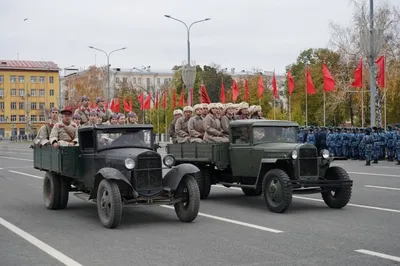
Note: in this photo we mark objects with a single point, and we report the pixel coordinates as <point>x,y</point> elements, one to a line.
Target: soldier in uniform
<point>228,117</point>
<point>256,112</point>
<point>397,143</point>
<point>311,136</point>
<point>76,119</point>
<point>93,115</point>
<point>84,110</point>
<point>132,118</point>
<point>212,126</point>
<point>389,143</point>
<point>195,125</point>
<point>45,130</point>
<point>103,113</point>
<point>243,111</point>
<point>205,109</point>
<point>339,142</point>
<point>113,119</point>
<point>171,129</point>
<point>354,144</point>
<point>369,146</point>
<point>345,143</point>
<point>361,145</point>
<point>377,145</point>
<point>121,119</point>
<point>64,133</point>
<point>181,126</point>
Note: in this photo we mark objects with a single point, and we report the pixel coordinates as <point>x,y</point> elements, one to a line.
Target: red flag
<point>141,99</point>
<point>130,105</point>
<point>204,95</point>
<point>147,102</point>
<point>329,82</point>
<point>235,91</point>
<point>380,63</point>
<point>222,94</point>
<point>274,87</point>
<point>174,99</point>
<point>182,98</point>
<point>157,100</point>
<point>260,87</point>
<point>290,82</point>
<point>116,106</point>
<point>358,76</point>
<point>164,104</point>
<point>309,84</point>
<point>246,90</point>
<point>126,106</point>
<point>112,105</point>
<point>106,105</point>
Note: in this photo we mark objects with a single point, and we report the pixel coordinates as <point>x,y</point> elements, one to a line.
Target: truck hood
<point>277,147</point>
<point>123,153</point>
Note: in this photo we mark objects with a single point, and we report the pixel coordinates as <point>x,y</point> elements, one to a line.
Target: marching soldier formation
<point>210,123</point>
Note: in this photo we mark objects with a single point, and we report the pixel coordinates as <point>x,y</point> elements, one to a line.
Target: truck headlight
<point>129,163</point>
<point>169,160</point>
<point>325,154</point>
<point>294,155</point>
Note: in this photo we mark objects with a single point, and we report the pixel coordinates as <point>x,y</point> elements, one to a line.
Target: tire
<point>188,210</point>
<point>251,192</point>
<point>341,195</point>
<point>51,191</point>
<point>109,203</point>
<point>203,180</point>
<point>65,187</point>
<point>277,181</point>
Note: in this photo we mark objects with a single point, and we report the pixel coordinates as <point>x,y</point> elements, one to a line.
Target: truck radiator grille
<point>149,173</point>
<point>308,162</point>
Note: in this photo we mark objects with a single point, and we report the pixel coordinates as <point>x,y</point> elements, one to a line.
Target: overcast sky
<point>266,34</point>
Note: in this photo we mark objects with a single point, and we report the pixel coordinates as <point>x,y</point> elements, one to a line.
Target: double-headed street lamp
<point>188,72</point>
<point>108,66</point>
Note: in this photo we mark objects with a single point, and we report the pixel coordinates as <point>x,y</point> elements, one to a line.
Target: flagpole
<point>362,106</point>
<point>290,108</point>
<point>158,120</point>
<point>274,107</point>
<point>324,110</point>
<point>306,99</point>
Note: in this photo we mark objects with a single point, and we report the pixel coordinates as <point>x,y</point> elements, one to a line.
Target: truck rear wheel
<point>203,180</point>
<point>65,187</point>
<point>187,209</point>
<point>51,191</point>
<point>339,197</point>
<point>109,203</point>
<point>277,190</point>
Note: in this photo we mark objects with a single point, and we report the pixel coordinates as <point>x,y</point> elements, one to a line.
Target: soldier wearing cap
<point>64,133</point>
<point>195,125</point>
<point>205,110</point>
<point>228,116</point>
<point>103,113</point>
<point>84,110</point>
<point>113,120</point>
<point>171,129</point>
<point>181,126</point>
<point>45,130</point>
<point>243,111</point>
<point>76,119</point>
<point>212,126</point>
<point>256,112</point>
<point>93,115</point>
<point>132,119</point>
<point>121,119</point>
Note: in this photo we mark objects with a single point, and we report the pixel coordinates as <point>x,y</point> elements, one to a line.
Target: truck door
<point>240,151</point>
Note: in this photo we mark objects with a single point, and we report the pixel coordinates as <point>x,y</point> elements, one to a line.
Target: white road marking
<point>388,188</point>
<point>337,164</point>
<point>319,200</point>
<point>1,149</point>
<point>387,167</point>
<point>20,173</point>
<point>362,173</point>
<point>377,254</point>
<point>16,167</point>
<point>13,158</point>
<point>14,152</point>
<point>40,244</point>
<point>254,226</point>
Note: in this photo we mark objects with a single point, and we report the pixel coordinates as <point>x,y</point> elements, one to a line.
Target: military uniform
<point>240,114</point>
<point>196,126</point>
<point>212,126</point>
<point>389,143</point>
<point>181,127</point>
<point>377,145</point>
<point>397,143</point>
<point>369,141</point>
<point>83,112</point>
<point>311,137</point>
<point>64,134</point>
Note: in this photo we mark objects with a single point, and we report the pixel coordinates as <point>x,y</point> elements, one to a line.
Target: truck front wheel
<point>277,190</point>
<point>109,203</point>
<point>337,198</point>
<point>187,209</point>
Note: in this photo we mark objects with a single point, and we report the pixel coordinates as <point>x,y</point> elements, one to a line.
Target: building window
<point>13,118</point>
<point>33,79</point>
<point>117,80</point>
<point>165,81</point>
<point>51,79</point>
<point>158,81</point>
<point>51,105</point>
<point>124,80</point>
<point>140,81</point>
<point>13,92</point>
<point>21,118</point>
<point>148,82</point>
<point>33,118</point>
<point>33,106</point>
<point>41,118</point>
<point>1,79</point>
<point>33,92</point>
<point>2,118</point>
<point>134,80</point>
<point>1,105</point>
<point>21,92</point>
<point>41,79</point>
<point>21,106</point>
<point>13,79</point>
<point>41,105</point>
<point>51,92</point>
<point>41,93</point>
<point>1,92</point>
<point>21,79</point>
<point>13,105</point>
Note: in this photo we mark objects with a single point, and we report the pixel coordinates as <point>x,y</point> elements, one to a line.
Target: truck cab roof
<point>262,122</point>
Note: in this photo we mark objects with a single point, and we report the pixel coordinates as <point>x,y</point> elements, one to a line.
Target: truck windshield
<point>123,138</point>
<point>275,134</point>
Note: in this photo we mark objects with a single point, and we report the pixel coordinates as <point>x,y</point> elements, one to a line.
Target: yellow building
<point>28,90</point>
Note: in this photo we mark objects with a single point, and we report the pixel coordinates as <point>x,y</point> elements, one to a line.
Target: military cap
<point>368,130</point>
<point>228,105</point>
<point>188,109</point>
<point>99,99</point>
<point>54,109</point>
<point>120,115</point>
<point>219,105</point>
<point>93,112</point>
<point>66,111</point>
<point>114,116</point>
<point>132,114</point>
<point>374,128</point>
<point>212,105</point>
<point>178,112</point>
<point>76,116</point>
<point>204,105</point>
<point>84,98</point>
<point>243,105</point>
<point>197,106</point>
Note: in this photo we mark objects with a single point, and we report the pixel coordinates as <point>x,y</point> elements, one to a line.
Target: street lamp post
<point>108,67</point>
<point>189,81</point>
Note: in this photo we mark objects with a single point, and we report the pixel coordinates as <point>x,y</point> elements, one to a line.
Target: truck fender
<point>265,162</point>
<point>109,173</point>
<point>172,179</point>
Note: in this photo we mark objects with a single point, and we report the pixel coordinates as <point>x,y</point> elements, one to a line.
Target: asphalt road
<point>231,230</point>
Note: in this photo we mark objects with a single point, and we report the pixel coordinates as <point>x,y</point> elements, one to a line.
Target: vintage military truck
<point>263,157</point>
<point>116,166</point>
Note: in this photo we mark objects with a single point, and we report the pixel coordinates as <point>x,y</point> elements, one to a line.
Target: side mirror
<point>157,146</point>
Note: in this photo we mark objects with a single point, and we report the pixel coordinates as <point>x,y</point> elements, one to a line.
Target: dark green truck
<point>263,157</point>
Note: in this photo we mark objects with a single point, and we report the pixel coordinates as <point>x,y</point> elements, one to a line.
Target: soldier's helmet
<point>178,112</point>
<point>99,99</point>
<point>188,109</point>
<point>84,98</point>
<point>131,114</point>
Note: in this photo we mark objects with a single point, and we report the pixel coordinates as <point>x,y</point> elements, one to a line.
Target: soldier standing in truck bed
<point>195,125</point>
<point>84,110</point>
<point>64,133</point>
<point>171,129</point>
<point>103,113</point>
<point>45,130</point>
<point>243,111</point>
<point>93,116</point>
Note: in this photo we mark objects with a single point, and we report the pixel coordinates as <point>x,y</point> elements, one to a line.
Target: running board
<point>236,185</point>
<point>83,196</point>
<point>307,190</point>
